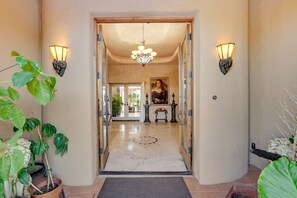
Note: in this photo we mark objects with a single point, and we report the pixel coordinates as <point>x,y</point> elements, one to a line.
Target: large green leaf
<point>5,112</point>
<point>17,161</point>
<point>31,86</point>
<point>43,93</point>
<point>36,66</point>
<point>24,177</point>
<point>17,117</point>
<point>13,94</point>
<point>48,130</point>
<point>3,92</point>
<point>278,179</point>
<point>39,147</point>
<point>61,143</point>
<point>5,102</point>
<point>1,188</point>
<point>5,164</point>
<point>30,124</point>
<point>21,61</point>
<point>20,79</point>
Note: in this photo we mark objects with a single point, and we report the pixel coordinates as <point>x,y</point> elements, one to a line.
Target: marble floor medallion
<point>145,140</point>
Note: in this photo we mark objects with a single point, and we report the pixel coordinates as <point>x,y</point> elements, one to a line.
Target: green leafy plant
<point>116,105</point>
<point>40,146</point>
<point>13,160</point>
<point>278,179</point>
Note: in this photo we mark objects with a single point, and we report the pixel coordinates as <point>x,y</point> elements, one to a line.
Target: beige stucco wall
<point>220,133</point>
<point>20,31</point>
<point>273,66</point>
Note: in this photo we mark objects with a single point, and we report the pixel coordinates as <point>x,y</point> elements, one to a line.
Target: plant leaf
<point>17,117</point>
<point>42,93</point>
<point>278,179</point>
<point>17,161</point>
<point>31,86</point>
<point>30,124</point>
<point>20,79</point>
<point>5,102</point>
<point>61,143</point>
<point>5,112</point>
<point>40,147</point>
<point>48,130</point>
<point>24,177</point>
<point>3,92</point>
<point>14,53</point>
<point>36,66</point>
<point>13,94</point>
<point>5,165</point>
<point>1,188</point>
<point>21,61</point>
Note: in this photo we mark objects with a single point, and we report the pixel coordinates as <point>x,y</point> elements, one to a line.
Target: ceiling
<point>121,39</point>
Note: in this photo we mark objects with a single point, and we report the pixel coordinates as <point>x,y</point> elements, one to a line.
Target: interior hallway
<point>135,146</point>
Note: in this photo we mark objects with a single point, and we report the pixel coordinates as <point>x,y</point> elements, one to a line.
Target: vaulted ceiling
<point>164,38</point>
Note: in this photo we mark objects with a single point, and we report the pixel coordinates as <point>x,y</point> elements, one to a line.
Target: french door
<point>130,96</point>
<point>185,98</point>
<point>104,115</point>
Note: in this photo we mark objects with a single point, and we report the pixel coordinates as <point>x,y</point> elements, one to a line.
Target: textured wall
<point>273,67</point>
<point>220,133</point>
<point>20,31</point>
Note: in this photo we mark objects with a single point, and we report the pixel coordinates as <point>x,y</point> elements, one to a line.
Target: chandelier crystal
<point>143,56</point>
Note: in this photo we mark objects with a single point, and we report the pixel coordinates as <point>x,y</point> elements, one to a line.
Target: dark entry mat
<point>145,187</point>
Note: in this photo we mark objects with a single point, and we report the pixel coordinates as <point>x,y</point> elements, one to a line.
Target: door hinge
<point>100,113</point>
<point>189,36</point>
<point>100,151</point>
<point>99,37</point>
<point>190,112</point>
<point>190,74</point>
<point>99,76</point>
<point>190,150</point>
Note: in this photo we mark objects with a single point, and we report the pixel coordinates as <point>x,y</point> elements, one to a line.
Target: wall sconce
<point>59,54</point>
<point>225,52</point>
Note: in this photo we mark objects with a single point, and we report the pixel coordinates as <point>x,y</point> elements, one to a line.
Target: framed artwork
<point>159,90</point>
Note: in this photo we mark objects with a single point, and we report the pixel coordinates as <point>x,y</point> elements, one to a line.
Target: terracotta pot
<point>52,194</point>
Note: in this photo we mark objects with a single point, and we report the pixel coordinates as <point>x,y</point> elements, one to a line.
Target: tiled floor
<point>158,151</point>
<point>197,190</point>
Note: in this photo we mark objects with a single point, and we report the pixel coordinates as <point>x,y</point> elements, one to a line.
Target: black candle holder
<point>173,111</point>
<point>146,110</point>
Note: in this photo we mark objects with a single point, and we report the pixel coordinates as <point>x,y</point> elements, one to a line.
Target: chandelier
<point>143,56</point>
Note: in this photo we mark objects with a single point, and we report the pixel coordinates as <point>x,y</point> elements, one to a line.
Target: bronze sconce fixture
<point>59,54</point>
<point>225,53</point>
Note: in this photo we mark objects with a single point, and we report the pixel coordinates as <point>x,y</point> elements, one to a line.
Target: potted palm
<point>116,105</point>
<point>14,152</point>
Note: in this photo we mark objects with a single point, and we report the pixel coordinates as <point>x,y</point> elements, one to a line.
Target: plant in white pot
<point>14,151</point>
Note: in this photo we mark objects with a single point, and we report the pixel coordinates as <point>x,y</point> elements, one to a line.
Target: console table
<point>157,111</point>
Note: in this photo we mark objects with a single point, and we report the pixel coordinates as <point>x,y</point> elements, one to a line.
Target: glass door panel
<point>129,96</point>
<point>103,99</point>
<point>185,107</point>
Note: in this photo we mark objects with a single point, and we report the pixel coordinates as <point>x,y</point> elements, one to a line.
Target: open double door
<point>185,98</point>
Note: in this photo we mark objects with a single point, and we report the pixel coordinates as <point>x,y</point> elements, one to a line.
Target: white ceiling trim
<point>157,59</point>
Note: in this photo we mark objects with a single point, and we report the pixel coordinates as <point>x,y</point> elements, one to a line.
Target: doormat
<point>145,187</point>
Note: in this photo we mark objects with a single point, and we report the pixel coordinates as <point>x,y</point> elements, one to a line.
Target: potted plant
<point>279,178</point>
<point>14,152</point>
<point>116,105</point>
